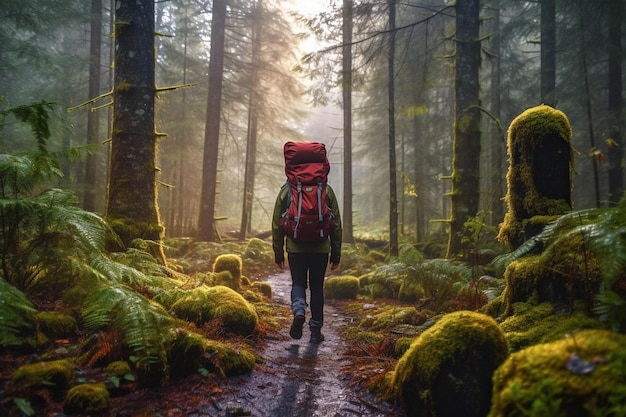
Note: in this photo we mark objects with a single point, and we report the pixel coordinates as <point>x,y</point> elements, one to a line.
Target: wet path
<point>300,379</point>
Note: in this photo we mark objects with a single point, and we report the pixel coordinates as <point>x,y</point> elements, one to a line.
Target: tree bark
<point>93,119</point>
<point>548,52</point>
<point>616,128</point>
<point>132,200</point>
<point>393,182</point>
<point>466,147</point>
<point>346,218</point>
<point>206,223</point>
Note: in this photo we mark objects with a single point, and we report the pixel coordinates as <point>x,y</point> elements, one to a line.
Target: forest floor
<point>295,379</point>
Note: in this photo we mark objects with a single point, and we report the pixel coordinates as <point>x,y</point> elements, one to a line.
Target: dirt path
<point>299,379</point>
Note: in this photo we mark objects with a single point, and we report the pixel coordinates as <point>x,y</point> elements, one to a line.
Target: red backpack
<point>307,217</point>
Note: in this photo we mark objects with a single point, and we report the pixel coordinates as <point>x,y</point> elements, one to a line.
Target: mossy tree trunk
<point>539,177</point>
<point>132,196</point>
<point>206,223</point>
<point>466,147</point>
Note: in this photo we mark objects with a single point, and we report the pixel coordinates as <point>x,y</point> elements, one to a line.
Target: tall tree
<point>346,218</point>
<point>132,200</point>
<point>548,52</point>
<point>93,120</point>
<point>206,223</point>
<point>253,123</point>
<point>466,147</point>
<point>616,118</point>
<point>391,112</point>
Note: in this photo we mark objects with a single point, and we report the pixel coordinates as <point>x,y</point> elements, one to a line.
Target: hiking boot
<point>316,336</point>
<point>296,327</point>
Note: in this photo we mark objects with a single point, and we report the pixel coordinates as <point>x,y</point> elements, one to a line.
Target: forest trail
<point>297,378</point>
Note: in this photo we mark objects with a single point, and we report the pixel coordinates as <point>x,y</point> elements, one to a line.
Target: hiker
<point>306,216</point>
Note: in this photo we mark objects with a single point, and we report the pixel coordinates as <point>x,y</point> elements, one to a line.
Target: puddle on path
<point>300,379</point>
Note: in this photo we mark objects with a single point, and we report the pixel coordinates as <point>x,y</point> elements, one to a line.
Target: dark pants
<point>307,271</point>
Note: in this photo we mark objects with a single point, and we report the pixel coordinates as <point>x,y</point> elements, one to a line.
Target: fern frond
<point>145,325</point>
<point>16,313</point>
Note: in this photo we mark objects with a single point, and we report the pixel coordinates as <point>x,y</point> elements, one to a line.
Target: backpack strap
<point>299,188</point>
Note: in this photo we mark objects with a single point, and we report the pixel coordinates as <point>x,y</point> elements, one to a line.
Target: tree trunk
<point>466,148</point>
<point>585,70</point>
<point>616,129</point>
<point>548,52</point>
<point>253,121</point>
<point>93,119</point>
<point>206,223</point>
<point>393,186</point>
<point>132,201</point>
<point>498,140</point>
<point>346,218</point>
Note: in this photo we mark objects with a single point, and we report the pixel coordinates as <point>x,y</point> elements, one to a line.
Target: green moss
<point>229,361</point>
<point>231,263</point>
<point>56,324</point>
<point>387,317</point>
<point>534,324</point>
<point>87,399</point>
<point>527,192</point>
<point>226,279</point>
<point>541,380</point>
<point>522,277</point>
<point>118,369</point>
<point>185,353</point>
<point>263,287</point>
<point>55,375</point>
<point>402,345</point>
<point>202,304</point>
<point>448,368</point>
<point>341,287</point>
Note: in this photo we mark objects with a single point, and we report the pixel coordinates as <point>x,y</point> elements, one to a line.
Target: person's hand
<point>334,265</point>
<point>281,265</point>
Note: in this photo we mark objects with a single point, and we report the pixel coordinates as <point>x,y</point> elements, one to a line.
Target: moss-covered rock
<point>533,324</point>
<point>185,353</point>
<point>580,376</point>
<point>87,399</point>
<point>341,287</point>
<point>231,263</point>
<point>56,324</point>
<point>263,287</point>
<point>202,304</point>
<point>447,370</point>
<point>229,361</point>
<point>55,375</point>
<point>118,369</point>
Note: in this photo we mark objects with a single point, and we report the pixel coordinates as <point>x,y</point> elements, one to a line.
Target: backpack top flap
<point>306,162</point>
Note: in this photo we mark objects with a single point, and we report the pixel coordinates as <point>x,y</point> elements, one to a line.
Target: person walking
<point>308,253</point>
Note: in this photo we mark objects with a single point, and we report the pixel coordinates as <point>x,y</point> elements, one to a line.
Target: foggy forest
<point>476,152</point>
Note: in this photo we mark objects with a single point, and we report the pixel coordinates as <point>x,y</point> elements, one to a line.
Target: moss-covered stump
<point>447,370</point>
<point>231,263</point>
<point>55,324</point>
<point>580,376</point>
<point>87,399</point>
<point>343,287</point>
<point>54,375</point>
<point>202,304</point>
<point>539,176</point>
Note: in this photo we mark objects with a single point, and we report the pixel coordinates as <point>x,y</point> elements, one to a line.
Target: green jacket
<point>332,245</point>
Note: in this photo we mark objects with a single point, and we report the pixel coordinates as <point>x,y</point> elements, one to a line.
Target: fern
<point>144,324</point>
<point>16,313</point>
